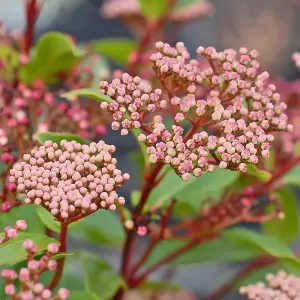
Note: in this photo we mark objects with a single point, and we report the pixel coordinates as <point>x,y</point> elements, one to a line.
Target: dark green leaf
<point>293,176</point>
<point>268,244</point>
<point>101,227</point>
<point>115,49</point>
<point>286,229</point>
<point>153,9</point>
<point>261,175</point>
<point>94,94</point>
<point>209,183</point>
<point>12,251</point>
<point>47,219</point>
<point>81,295</point>
<point>99,277</point>
<point>55,52</point>
<point>25,212</point>
<point>57,137</point>
<point>217,251</point>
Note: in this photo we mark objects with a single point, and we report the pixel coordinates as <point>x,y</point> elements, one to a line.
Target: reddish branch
<point>149,34</point>
<point>33,8</point>
<point>60,262</point>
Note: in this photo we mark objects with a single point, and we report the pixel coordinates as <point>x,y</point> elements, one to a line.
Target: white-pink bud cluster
<point>12,232</point>
<point>280,287</point>
<point>70,180</point>
<point>132,99</point>
<point>241,109</point>
<point>185,157</point>
<point>28,277</point>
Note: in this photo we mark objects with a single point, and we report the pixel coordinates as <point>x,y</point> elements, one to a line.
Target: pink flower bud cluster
<point>70,181</point>
<point>241,109</point>
<point>280,287</point>
<point>132,98</point>
<point>30,287</point>
<point>185,157</point>
<point>12,232</point>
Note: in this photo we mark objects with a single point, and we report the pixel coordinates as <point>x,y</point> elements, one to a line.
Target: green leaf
<point>57,137</point>
<point>115,49</point>
<point>63,254</point>
<point>94,94</point>
<point>55,53</point>
<point>135,197</point>
<point>261,175</point>
<point>286,229</point>
<point>11,58</point>
<point>153,9</point>
<point>81,295</point>
<point>25,212</point>
<point>136,132</point>
<point>99,277</point>
<point>173,186</point>
<point>268,244</point>
<point>101,227</point>
<point>258,275</point>
<point>47,219</point>
<point>216,251</point>
<point>12,251</point>
<point>180,4</point>
<point>293,176</point>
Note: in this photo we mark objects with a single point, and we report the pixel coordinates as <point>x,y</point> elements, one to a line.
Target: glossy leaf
<point>286,229</point>
<point>153,9</point>
<point>101,227</point>
<point>293,176</point>
<point>55,53</point>
<point>268,244</point>
<point>25,212</point>
<point>173,186</point>
<point>260,175</point>
<point>99,277</point>
<point>94,94</point>
<point>159,286</point>
<point>217,251</point>
<point>12,251</point>
<point>47,219</point>
<point>80,295</point>
<point>135,197</point>
<point>57,137</point>
<point>115,49</point>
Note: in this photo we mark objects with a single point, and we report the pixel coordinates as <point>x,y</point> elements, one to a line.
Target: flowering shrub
<point>216,146</point>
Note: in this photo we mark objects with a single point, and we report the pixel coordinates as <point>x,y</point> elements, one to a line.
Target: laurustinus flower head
<point>70,180</point>
<point>280,286</point>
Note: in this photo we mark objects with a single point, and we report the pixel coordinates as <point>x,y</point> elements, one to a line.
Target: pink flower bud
<point>21,225</point>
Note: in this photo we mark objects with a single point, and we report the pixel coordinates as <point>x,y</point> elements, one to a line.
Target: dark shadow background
<point>270,26</point>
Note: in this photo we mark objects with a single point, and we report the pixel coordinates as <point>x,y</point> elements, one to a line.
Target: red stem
<point>230,285</point>
<point>60,262</point>
<point>32,12</point>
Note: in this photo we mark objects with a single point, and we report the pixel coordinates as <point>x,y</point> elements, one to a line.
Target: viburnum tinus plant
<point>216,151</point>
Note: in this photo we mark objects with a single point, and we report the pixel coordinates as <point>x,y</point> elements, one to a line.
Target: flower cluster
<point>30,287</point>
<point>280,287</point>
<point>231,127</point>
<point>12,232</point>
<point>70,181</point>
<point>132,99</point>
